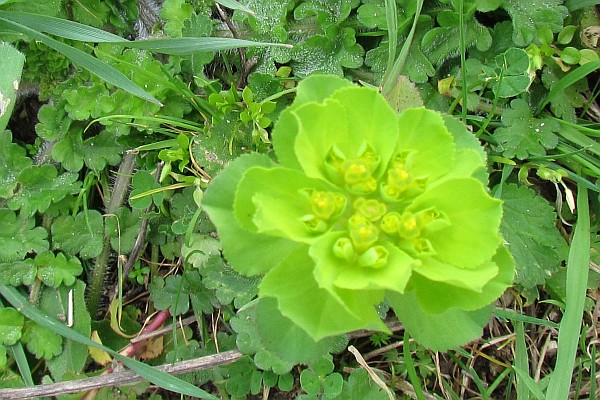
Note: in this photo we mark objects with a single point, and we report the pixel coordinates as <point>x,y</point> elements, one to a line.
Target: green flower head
<point>364,204</point>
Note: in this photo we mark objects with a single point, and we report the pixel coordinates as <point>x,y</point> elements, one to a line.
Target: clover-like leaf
<point>40,186</point>
<point>41,341</point>
<point>57,270</point>
<point>523,135</point>
<point>20,236</point>
<point>529,226</point>
<point>82,234</point>
<point>13,159</point>
<point>11,324</point>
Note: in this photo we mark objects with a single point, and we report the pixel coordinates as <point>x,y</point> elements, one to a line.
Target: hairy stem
<point>117,197</point>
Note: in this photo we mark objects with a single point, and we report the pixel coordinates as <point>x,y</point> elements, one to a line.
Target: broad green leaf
<point>13,159</point>
<point>296,291</point>
<point>82,234</point>
<point>170,294</point>
<point>257,252</point>
<point>523,135</point>
<point>41,341</point>
<point>90,12</point>
<point>234,5</point>
<point>528,225</point>
<point>74,355</point>
<point>11,323</point>
<point>20,236</point>
<point>12,65</point>
<point>259,206</point>
<point>438,296</point>
<point>474,217</point>
<point>40,186</point>
<point>55,271</point>
<point>284,338</point>
<point>438,43</point>
<point>439,332</point>
<point>322,54</point>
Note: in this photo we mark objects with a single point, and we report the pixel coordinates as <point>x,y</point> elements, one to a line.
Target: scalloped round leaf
<point>11,323</point>
<point>20,236</point>
<point>438,332</point>
<point>257,252</point>
<point>40,186</point>
<point>55,271</point>
<point>13,159</point>
<point>82,234</point>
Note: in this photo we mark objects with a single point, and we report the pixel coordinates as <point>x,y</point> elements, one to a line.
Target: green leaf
<point>74,356</point>
<point>123,228</point>
<point>11,323</point>
<point>20,236</point>
<point>438,43</point>
<point>327,55</point>
<point>162,379</point>
<point>13,159</point>
<point>281,336</point>
<point>41,186</point>
<point>523,135</point>
<point>90,12</point>
<point>293,285</point>
<point>229,286</point>
<point>16,273</point>
<point>528,225</point>
<point>82,234</point>
<point>145,186</point>
<point>170,294</point>
<point>12,66</point>
<point>359,386</point>
<point>530,17</point>
<point>41,341</point>
<point>57,270</point>
<point>439,332</point>
<point>256,253</point>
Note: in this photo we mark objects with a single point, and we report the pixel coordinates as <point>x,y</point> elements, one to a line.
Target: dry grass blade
<point>372,374</point>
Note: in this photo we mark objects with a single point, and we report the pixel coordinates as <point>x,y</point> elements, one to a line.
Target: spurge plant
<point>366,206</point>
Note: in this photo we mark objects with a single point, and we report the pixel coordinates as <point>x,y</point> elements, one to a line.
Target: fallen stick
<point>117,378</point>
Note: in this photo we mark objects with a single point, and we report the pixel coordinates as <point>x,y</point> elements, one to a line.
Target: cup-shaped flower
<point>363,203</point>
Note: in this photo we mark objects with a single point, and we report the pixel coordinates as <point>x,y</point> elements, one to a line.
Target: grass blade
<point>521,363</point>
<point>84,60</point>
<point>570,325</point>
<point>574,76</point>
<point>234,5</point>
<point>161,379</point>
<point>390,78</point>
<point>173,46</point>
<point>391,15</point>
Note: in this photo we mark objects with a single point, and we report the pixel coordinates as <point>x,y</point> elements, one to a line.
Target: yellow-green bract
<point>366,205</point>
